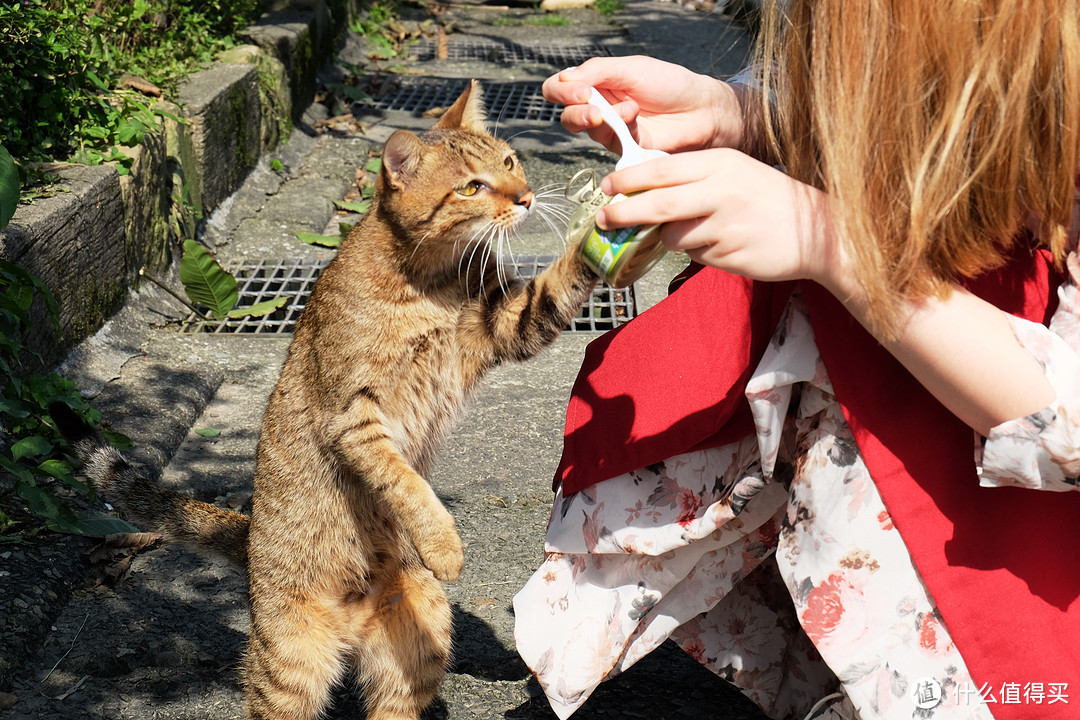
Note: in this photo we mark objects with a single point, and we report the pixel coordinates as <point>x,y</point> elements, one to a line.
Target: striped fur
<point>198,525</point>
<point>347,542</point>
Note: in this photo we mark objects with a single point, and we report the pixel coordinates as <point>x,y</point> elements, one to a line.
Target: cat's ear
<point>401,158</point>
<point>467,112</point>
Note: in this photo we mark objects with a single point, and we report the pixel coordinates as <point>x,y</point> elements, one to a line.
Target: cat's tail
<point>179,518</point>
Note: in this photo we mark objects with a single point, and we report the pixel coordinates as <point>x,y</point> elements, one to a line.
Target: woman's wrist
<point>729,107</point>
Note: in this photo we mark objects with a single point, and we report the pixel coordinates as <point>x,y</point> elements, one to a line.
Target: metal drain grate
<point>265,281</point>
<point>506,51</point>
<point>508,101</point>
<point>606,309</point>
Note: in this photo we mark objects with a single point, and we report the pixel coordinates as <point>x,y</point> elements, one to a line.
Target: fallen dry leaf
<point>110,560</point>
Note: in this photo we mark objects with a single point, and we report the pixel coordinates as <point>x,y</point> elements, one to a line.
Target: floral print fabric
<point>782,581</point>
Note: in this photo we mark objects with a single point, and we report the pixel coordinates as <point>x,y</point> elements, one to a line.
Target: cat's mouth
<point>518,215</point>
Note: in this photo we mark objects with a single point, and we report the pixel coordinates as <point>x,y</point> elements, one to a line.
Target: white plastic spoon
<point>632,153</point>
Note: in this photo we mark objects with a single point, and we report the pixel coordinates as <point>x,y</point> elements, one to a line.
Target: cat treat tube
<point>623,255</point>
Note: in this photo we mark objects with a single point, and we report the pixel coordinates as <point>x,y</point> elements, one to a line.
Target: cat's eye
<point>509,162</point>
<point>471,188</point>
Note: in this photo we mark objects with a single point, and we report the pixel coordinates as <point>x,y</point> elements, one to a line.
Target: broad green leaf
<point>48,507</point>
<point>373,165</point>
<point>131,132</point>
<point>61,471</point>
<point>356,207</point>
<point>56,468</point>
<point>19,297</point>
<point>19,470</point>
<point>95,525</point>
<point>32,446</point>
<point>97,81</point>
<point>15,275</point>
<point>259,309</point>
<point>324,240</point>
<point>120,441</point>
<point>9,187</point>
<point>13,408</point>
<point>208,432</point>
<point>205,281</point>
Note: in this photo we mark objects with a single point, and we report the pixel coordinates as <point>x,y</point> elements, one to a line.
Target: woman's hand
<point>730,211</point>
<point>725,209</point>
<point>666,106</point>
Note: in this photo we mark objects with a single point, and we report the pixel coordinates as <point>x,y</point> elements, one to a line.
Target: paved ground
<point>157,634</point>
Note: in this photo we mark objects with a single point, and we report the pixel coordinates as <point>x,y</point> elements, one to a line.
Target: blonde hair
<point>940,127</point>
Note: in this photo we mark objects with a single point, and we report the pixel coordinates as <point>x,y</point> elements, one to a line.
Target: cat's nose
<point>526,199</point>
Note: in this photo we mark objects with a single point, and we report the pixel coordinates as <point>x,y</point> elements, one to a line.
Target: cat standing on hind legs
<point>347,543</point>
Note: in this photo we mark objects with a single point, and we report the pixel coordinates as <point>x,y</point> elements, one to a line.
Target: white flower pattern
<point>782,582</point>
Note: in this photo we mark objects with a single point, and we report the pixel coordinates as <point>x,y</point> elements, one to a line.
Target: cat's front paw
<point>441,550</point>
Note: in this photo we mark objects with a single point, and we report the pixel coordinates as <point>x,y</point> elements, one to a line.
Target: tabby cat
<point>346,542</point>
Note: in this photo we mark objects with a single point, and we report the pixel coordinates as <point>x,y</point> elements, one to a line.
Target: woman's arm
<point>724,209</point>
<point>964,351</point>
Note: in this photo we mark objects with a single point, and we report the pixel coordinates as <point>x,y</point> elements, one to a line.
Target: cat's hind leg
<point>402,644</point>
<point>296,654</point>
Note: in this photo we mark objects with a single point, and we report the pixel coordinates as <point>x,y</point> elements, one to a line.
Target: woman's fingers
<point>676,190</point>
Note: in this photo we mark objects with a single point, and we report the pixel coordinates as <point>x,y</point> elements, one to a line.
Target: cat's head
<point>453,186</point>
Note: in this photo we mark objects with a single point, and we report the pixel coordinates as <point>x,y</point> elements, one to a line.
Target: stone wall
<point>88,241</point>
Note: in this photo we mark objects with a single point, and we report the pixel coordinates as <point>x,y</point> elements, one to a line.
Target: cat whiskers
<point>482,239</point>
<point>504,247</point>
<point>553,209</point>
<point>421,242</point>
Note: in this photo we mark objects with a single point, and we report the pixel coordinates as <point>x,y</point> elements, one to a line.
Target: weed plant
<point>63,65</point>
<point>62,61</point>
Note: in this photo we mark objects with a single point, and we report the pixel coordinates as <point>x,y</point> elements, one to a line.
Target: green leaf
<point>175,118</point>
<point>48,507</point>
<point>19,298</point>
<point>351,92</point>
<point>17,469</point>
<point>9,187</point>
<point>60,470</point>
<point>13,408</point>
<point>6,523</point>
<point>331,241</point>
<point>373,165</point>
<point>208,432</point>
<point>15,275</point>
<point>131,132</point>
<point>205,281</point>
<point>356,207</point>
<point>276,165</point>
<point>32,446</point>
<point>260,309</point>
<point>120,441</point>
<point>97,525</point>
<point>56,468</point>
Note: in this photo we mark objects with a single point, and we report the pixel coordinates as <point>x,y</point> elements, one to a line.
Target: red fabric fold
<point>1001,563</point>
<point>669,379</point>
